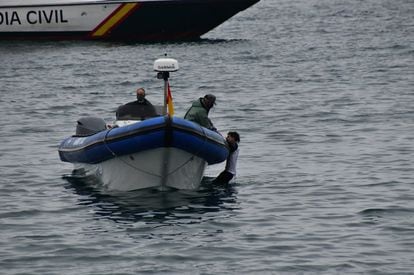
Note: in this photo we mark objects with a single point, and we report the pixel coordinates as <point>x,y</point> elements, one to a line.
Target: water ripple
<point>321,93</point>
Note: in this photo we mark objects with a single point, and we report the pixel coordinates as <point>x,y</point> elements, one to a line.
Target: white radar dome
<point>166,65</point>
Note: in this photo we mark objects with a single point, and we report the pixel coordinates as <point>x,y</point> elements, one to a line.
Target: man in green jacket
<point>198,111</point>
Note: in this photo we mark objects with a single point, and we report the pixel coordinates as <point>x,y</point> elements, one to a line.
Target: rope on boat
<point>119,158</point>
<point>149,173</point>
<point>192,157</point>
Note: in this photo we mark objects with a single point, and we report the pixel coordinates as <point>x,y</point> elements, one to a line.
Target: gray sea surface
<point>322,94</point>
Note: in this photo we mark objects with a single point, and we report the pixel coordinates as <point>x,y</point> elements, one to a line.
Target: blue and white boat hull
<point>160,152</point>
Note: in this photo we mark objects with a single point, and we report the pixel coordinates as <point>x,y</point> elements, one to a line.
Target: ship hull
<point>145,20</point>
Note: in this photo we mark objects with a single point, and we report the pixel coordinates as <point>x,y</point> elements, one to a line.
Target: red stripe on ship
<point>107,33</point>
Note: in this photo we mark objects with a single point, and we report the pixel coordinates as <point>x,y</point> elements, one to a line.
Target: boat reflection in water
<point>151,205</point>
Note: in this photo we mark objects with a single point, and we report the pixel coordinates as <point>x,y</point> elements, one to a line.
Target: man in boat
<point>233,139</point>
<point>199,110</point>
<point>138,109</point>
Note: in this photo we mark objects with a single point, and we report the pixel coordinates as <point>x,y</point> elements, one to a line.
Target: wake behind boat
<point>160,152</point>
<point>144,20</point>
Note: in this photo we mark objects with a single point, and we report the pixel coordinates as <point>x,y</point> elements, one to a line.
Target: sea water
<point>322,94</point>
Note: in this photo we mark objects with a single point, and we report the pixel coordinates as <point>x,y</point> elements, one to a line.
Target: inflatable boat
<point>160,152</point>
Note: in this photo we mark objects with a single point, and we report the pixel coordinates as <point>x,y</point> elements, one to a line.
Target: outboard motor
<point>87,126</point>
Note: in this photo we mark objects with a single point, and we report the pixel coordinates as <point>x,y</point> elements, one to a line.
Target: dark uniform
<point>139,109</point>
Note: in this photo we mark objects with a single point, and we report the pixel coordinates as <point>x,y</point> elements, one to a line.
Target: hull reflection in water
<point>151,205</point>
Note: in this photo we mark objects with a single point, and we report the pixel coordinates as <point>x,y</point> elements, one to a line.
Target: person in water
<point>233,139</point>
<point>199,110</point>
<point>138,109</point>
